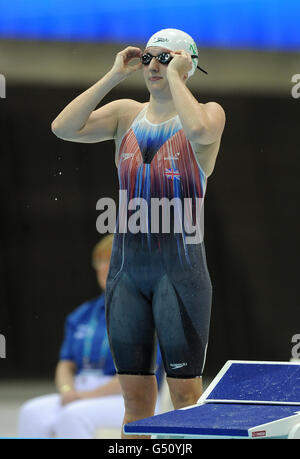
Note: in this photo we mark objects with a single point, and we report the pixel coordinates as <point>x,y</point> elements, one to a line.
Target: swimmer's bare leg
<point>140,395</point>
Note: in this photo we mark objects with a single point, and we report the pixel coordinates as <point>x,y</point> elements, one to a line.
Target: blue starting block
<point>245,400</point>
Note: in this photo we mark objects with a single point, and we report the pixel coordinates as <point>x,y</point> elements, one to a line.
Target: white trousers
<point>45,417</point>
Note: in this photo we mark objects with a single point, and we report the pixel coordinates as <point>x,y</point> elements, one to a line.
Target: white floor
<point>12,395</point>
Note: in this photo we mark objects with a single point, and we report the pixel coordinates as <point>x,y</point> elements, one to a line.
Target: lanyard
<point>92,327</point>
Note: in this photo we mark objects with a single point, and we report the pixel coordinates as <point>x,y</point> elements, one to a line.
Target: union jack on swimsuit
<point>172,174</point>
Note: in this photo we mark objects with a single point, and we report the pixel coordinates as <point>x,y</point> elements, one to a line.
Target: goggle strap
<point>202,70</point>
<point>194,56</point>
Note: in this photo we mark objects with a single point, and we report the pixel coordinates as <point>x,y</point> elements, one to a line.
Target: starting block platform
<point>247,399</point>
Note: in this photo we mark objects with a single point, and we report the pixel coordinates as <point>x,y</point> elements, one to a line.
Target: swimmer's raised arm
<point>80,122</point>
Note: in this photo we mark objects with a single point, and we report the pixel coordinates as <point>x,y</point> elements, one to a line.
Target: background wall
<point>49,189</point>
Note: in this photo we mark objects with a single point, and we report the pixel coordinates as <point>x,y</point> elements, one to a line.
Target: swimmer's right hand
<point>121,65</point>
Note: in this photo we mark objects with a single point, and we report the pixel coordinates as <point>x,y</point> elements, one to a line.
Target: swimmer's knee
<point>184,392</point>
<point>139,392</point>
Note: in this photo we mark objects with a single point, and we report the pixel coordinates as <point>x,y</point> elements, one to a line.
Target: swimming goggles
<point>164,58</point>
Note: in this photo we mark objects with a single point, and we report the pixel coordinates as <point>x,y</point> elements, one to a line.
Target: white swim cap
<point>174,40</point>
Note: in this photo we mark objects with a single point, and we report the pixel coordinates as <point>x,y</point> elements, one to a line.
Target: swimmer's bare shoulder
<point>128,111</point>
<point>108,121</point>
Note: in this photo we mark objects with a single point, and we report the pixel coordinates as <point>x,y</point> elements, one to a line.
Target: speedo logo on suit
<point>176,366</point>
<point>127,155</point>
<point>175,157</point>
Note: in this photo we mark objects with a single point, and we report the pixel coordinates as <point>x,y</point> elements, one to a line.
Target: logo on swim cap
<point>160,39</point>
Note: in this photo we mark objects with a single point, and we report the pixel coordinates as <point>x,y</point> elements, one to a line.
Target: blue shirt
<point>86,341</point>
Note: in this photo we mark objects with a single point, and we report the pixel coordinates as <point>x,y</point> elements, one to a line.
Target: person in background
<point>89,393</point>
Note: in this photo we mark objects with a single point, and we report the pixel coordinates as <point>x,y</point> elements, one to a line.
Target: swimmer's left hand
<point>181,64</point>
